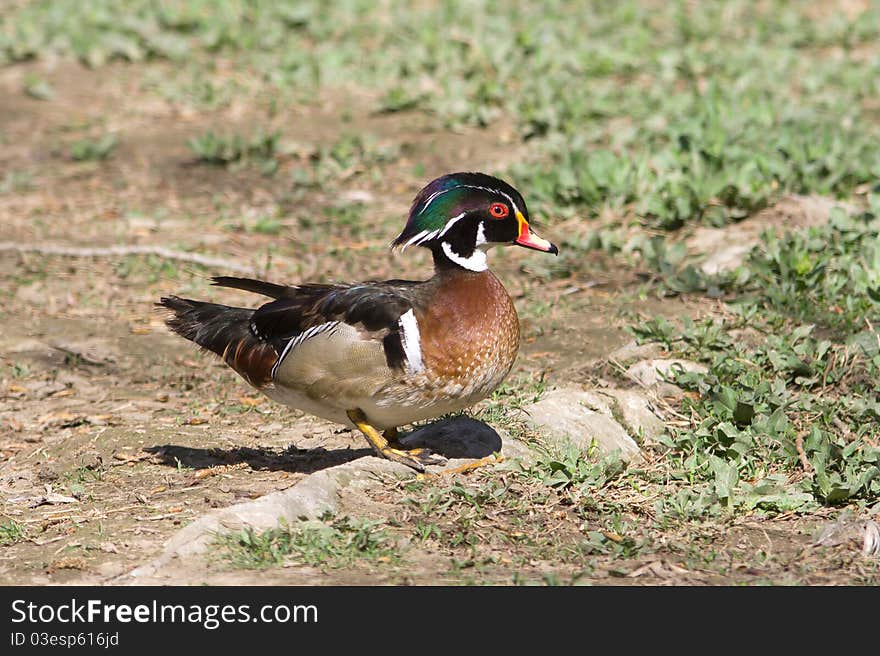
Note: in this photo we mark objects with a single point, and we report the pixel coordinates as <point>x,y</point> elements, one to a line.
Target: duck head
<point>459,216</point>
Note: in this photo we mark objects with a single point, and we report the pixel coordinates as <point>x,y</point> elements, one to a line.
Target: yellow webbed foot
<point>418,459</point>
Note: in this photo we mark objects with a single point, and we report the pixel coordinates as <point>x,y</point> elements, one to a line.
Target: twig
<point>831,362</point>
<point>871,328</point>
<point>175,515</point>
<point>799,445</point>
<point>41,543</point>
<point>87,359</point>
<point>121,251</point>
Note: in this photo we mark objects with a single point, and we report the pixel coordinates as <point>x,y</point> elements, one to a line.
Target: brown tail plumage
<point>224,330</point>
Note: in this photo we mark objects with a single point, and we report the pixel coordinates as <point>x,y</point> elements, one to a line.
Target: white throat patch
<point>476,262</point>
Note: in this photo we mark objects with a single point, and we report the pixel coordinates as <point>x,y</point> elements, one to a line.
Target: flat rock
<point>726,248</point>
<point>632,351</point>
<point>460,439</point>
<point>567,415</point>
<point>727,258</point>
<point>313,496</point>
<point>657,371</point>
<point>597,400</point>
<point>636,414</point>
<point>629,408</point>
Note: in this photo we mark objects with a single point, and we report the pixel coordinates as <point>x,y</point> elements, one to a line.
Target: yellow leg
<point>390,434</point>
<point>469,466</point>
<point>415,458</point>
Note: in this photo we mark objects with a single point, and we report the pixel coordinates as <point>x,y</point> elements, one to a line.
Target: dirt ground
<point>114,434</point>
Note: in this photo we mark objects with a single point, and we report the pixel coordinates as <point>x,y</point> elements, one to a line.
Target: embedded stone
<point>632,351</point>
<point>315,495</point>
<point>636,414</point>
<point>657,371</point>
<point>567,415</point>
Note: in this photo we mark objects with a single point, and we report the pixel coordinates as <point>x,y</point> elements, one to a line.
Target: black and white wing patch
<point>410,341</point>
<point>383,312</point>
<point>328,327</point>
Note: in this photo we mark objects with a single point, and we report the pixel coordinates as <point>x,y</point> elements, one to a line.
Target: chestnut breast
<point>469,330</point>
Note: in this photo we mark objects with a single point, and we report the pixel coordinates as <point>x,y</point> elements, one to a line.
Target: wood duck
<point>378,355</point>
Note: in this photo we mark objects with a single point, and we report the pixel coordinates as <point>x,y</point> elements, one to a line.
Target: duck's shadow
<point>291,459</point>
<point>455,437</point>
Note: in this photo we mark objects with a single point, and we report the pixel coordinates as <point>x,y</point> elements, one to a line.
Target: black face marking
<point>476,229</point>
<point>501,231</point>
<point>454,195</point>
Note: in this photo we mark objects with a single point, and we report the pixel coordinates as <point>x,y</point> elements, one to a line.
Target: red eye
<point>498,210</point>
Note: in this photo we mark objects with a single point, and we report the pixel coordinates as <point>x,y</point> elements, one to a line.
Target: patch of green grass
<point>38,88</point>
<point>509,397</point>
<point>400,99</point>
<point>352,154</point>
<point>150,268</point>
<point>787,416</point>
<point>194,86</point>
<point>86,150</point>
<point>348,217</point>
<point>332,543</point>
<point>828,276</point>
<point>670,270</point>
<point>266,225</point>
<point>532,500</point>
<point>75,481</point>
<point>227,149</point>
<point>666,114</point>
<point>571,468</point>
<point>10,532</point>
<point>263,224</point>
<point>16,181</point>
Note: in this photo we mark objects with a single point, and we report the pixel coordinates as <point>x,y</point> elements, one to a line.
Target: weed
<point>219,149</point>
<point>785,414</point>
<point>570,468</point>
<point>10,532</point>
<point>86,150</point>
<point>329,542</point>
<point>267,225</point>
<point>16,181</point>
<point>38,88</point>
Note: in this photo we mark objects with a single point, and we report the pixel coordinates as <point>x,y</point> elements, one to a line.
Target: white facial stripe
<point>299,339</point>
<point>415,238</point>
<point>424,235</point>
<point>451,222</point>
<point>411,341</point>
<point>418,238</point>
<point>476,262</point>
<point>432,197</point>
<point>491,191</point>
<point>481,235</point>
